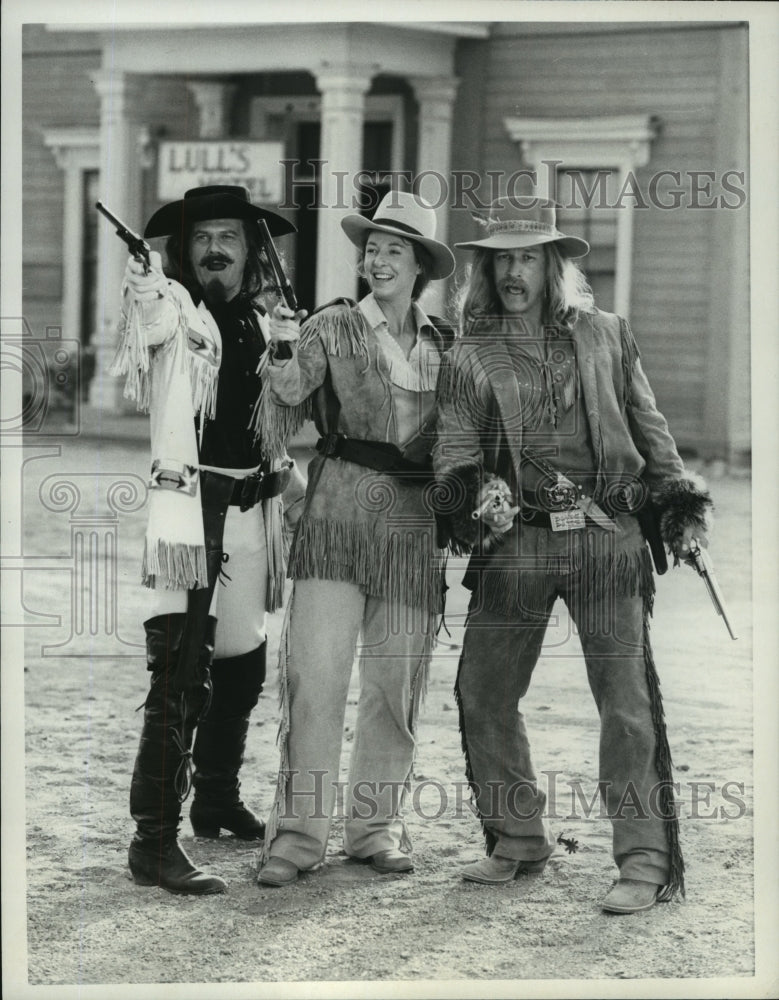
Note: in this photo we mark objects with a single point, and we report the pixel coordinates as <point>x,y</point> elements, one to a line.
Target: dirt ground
<point>87,923</point>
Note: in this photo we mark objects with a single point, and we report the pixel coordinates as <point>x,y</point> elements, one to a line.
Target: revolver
<point>137,246</point>
<point>498,498</point>
<point>704,567</point>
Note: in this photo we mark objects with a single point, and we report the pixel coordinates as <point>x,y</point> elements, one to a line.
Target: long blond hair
<point>566,293</point>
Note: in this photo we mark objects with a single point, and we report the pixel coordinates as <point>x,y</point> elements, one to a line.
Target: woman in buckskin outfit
<point>364,559</point>
<point>547,393</point>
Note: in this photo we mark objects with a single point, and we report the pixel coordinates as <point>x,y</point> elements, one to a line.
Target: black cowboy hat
<point>214,201</point>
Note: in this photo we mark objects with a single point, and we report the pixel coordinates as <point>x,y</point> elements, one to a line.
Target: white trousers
<point>240,594</point>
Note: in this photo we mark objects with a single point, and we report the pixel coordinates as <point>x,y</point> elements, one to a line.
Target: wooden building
<point>641,129</point>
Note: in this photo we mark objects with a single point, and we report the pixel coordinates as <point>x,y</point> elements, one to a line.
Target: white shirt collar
<point>419,371</point>
<point>371,310</point>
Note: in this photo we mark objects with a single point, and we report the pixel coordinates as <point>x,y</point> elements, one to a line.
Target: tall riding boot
<point>161,776</point>
<point>219,748</point>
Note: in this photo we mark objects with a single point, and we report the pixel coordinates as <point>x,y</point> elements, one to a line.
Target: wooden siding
<point>57,91</point>
<point>676,75</point>
<point>690,282</point>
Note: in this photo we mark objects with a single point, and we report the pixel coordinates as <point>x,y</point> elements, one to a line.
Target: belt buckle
<point>560,498</point>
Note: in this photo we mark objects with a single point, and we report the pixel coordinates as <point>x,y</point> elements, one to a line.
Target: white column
<point>623,264</point>
<point>214,100</point>
<point>436,96</point>
<point>343,90</point>
<point>75,151</point>
<point>121,162</point>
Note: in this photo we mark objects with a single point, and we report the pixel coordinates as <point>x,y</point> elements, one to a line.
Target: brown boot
<point>630,895</point>
<point>495,869</point>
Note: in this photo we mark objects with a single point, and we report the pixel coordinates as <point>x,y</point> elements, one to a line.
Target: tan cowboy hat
<point>404,214</point>
<point>213,201</point>
<point>511,225</point>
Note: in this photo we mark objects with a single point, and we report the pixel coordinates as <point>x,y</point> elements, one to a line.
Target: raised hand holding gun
<point>136,244</point>
<point>144,279</point>
<point>286,317</point>
<point>701,560</point>
<point>283,284</point>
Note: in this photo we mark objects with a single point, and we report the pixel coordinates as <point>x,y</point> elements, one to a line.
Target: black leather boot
<point>219,748</point>
<point>160,781</point>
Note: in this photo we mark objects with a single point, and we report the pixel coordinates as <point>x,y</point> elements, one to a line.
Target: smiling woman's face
<point>218,251</point>
<point>390,267</point>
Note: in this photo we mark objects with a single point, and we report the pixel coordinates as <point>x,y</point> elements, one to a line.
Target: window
<point>77,152</point>
<point>589,152</point>
<point>585,214</point>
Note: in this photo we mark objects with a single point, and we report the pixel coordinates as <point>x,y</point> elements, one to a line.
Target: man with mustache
<point>192,338</point>
<point>551,448</point>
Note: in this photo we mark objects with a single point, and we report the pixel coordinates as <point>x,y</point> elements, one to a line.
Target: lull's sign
<point>255,165</point>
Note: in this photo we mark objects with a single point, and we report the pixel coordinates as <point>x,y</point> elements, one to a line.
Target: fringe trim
<point>569,387</point>
<point>664,767</point>
<point>132,357</point>
<point>506,591</point>
<point>203,370</point>
<point>489,837</point>
<point>419,687</point>
<point>396,564</point>
<point>278,552</point>
<point>630,355</point>
<point>456,548</point>
<point>456,385</point>
<point>341,329</point>
<point>282,739</point>
<point>176,565</point>
<point>274,424</point>
<point>204,382</point>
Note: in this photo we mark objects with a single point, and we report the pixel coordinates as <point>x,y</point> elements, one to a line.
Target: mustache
<point>215,258</point>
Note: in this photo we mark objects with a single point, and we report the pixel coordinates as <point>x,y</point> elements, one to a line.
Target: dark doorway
<point>88,317</point>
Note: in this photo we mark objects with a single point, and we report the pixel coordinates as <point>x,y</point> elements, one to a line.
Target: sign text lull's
<point>255,165</point>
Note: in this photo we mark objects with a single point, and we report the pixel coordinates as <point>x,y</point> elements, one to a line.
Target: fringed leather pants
<point>499,654</point>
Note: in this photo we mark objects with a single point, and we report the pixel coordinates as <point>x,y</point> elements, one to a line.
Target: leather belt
<point>534,518</point>
<point>248,492</point>
<point>540,518</point>
<point>381,456</point>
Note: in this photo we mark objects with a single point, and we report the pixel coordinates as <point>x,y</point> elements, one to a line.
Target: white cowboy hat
<point>512,225</point>
<point>404,214</point>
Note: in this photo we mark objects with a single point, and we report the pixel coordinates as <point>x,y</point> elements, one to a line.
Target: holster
<point>650,529</point>
<point>260,486</point>
<point>215,493</point>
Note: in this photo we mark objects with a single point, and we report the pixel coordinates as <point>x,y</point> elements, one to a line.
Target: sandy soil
<point>87,923</point>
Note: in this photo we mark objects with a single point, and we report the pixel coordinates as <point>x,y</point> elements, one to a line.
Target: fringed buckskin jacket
<point>487,414</point>
<point>359,525</point>
<point>172,369</point>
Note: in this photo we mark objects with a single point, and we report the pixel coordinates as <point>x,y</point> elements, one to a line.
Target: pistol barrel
<point>705,569</point>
